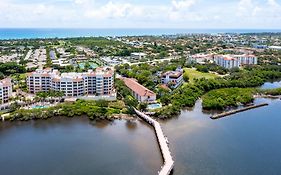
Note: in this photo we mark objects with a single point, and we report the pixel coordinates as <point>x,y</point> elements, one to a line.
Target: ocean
<point>32,33</point>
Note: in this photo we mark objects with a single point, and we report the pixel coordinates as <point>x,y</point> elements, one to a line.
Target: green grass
<point>21,76</point>
<point>194,74</point>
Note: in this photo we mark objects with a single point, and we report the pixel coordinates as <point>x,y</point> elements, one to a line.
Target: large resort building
<point>98,83</point>
<point>5,90</point>
<point>226,61</point>
<point>231,61</point>
<point>141,93</point>
<point>201,58</point>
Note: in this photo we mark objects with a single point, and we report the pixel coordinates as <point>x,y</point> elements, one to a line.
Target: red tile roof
<point>137,88</point>
<point>164,86</point>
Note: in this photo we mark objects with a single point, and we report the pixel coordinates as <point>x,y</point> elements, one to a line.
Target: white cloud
<point>273,3</point>
<point>258,10</point>
<point>186,10</point>
<point>182,4</point>
<point>33,14</point>
<point>245,8</point>
<point>79,2</point>
<point>111,10</point>
<point>129,13</point>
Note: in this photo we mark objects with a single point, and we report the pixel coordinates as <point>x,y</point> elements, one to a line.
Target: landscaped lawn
<point>193,74</point>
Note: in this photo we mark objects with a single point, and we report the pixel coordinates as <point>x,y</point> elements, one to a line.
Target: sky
<point>189,14</point>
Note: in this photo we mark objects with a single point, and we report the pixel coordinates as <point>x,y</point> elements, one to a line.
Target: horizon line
<point>140,28</point>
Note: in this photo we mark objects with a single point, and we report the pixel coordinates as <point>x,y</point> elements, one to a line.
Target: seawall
<point>225,114</point>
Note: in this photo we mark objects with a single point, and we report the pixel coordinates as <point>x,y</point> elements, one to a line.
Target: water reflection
<point>101,123</point>
<point>77,146</point>
<point>131,125</point>
<point>247,143</point>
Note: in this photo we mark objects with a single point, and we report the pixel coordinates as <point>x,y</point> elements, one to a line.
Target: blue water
<point>271,85</point>
<point>30,33</point>
<point>246,143</point>
<point>92,65</point>
<point>154,106</point>
<point>39,107</point>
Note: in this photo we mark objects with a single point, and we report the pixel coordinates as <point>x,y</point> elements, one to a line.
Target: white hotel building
<point>5,90</point>
<point>173,78</point>
<point>231,61</point>
<point>98,83</point>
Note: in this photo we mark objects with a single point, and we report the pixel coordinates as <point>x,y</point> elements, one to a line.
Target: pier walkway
<point>163,144</point>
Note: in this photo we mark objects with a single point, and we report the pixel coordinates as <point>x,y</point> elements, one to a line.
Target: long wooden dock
<point>163,144</point>
<point>225,114</point>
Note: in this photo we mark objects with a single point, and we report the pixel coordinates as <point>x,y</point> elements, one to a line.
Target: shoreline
<point>6,117</point>
<point>123,117</point>
<point>267,96</point>
<point>52,33</point>
<point>128,117</point>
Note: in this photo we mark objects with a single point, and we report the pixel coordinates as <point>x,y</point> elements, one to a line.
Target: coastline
<point>6,117</point>
<point>123,117</point>
<point>65,33</point>
<point>113,117</point>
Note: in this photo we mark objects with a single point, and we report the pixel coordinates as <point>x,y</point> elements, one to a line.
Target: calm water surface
<point>244,144</point>
<point>272,85</point>
<point>77,147</point>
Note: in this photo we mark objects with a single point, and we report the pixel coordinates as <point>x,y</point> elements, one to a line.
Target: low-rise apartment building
<point>141,93</point>
<point>201,58</point>
<point>172,78</point>
<point>98,82</point>
<point>5,90</point>
<point>138,56</point>
<point>231,61</point>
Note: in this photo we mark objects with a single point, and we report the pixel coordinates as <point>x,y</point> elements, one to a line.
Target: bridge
<point>168,165</point>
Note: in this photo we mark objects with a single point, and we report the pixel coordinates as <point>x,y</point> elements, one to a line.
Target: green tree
<point>142,106</point>
<point>185,78</point>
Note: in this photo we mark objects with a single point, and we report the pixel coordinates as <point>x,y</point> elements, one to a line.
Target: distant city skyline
<point>201,14</point>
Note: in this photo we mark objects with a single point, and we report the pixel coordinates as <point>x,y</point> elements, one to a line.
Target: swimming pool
<point>92,65</point>
<point>39,107</point>
<point>154,106</point>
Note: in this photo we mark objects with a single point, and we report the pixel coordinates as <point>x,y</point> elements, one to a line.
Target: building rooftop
<point>172,74</point>
<point>138,54</point>
<point>234,57</point>
<point>138,88</point>
<point>6,82</point>
<point>104,71</point>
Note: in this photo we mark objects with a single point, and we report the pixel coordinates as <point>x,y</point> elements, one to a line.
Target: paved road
<point>155,61</point>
